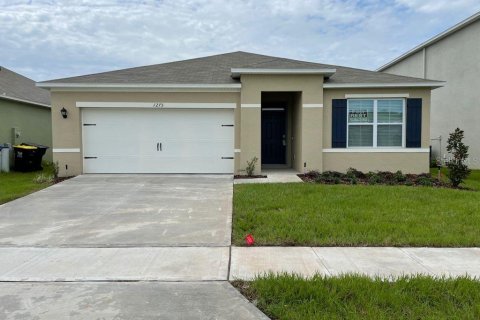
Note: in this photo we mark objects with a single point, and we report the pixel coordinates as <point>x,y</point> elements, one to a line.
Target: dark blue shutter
<point>414,123</point>
<point>339,123</point>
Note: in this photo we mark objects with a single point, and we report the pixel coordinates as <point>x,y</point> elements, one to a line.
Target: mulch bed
<point>241,176</point>
<point>372,178</point>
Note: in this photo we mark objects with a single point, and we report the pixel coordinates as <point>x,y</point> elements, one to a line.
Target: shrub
<point>399,176</point>
<point>352,172</point>
<point>251,166</point>
<point>457,169</point>
<point>374,178</point>
<point>43,178</point>
<point>425,181</point>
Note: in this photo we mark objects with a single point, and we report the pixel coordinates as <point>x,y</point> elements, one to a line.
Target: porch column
<point>250,136</point>
<point>312,131</point>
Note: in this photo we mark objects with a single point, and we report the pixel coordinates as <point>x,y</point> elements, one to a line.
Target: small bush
<point>352,172</point>
<point>457,169</point>
<point>425,181</point>
<point>399,176</point>
<point>251,166</point>
<point>43,178</point>
<point>374,179</point>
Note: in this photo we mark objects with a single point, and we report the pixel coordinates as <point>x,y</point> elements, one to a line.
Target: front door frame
<point>281,107</point>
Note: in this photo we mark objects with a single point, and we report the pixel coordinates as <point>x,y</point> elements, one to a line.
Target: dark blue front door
<point>274,136</point>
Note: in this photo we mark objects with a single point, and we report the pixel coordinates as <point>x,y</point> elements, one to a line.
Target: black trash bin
<point>28,156</point>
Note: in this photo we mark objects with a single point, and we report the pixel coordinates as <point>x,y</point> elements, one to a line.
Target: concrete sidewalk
<point>371,261</point>
<point>114,264</point>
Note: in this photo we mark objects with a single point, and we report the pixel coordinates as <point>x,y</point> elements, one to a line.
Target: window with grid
<point>376,123</point>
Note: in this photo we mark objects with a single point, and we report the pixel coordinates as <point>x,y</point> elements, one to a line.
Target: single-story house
<point>216,113</point>
<point>453,55</point>
<point>24,111</point>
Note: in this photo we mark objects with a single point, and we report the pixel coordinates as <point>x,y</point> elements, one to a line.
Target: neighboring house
<point>213,114</point>
<point>24,111</point>
<point>453,55</point>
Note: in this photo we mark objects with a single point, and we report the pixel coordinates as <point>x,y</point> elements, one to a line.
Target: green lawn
<point>14,185</point>
<point>358,297</point>
<point>356,215</point>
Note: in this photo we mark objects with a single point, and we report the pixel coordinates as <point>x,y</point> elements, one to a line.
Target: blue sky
<point>47,39</point>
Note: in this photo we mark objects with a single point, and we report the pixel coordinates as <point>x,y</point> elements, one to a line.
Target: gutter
<point>433,85</point>
<point>25,101</point>
<point>58,86</point>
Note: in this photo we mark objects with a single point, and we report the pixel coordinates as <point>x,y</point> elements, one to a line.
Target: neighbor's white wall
<point>456,60</point>
<point>410,67</point>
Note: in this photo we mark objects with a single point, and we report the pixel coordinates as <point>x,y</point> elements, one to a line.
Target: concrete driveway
<point>121,247</point>
<point>123,211</point>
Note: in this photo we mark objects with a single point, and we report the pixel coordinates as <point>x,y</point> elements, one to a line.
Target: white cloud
<point>435,6</point>
<point>50,39</point>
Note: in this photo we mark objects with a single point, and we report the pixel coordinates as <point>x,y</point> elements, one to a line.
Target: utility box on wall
<point>16,134</point>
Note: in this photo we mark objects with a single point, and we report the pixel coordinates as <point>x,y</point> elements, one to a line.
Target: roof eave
<point>148,87</point>
<point>237,72</point>
<point>25,101</point>
<point>431,41</point>
<point>432,85</point>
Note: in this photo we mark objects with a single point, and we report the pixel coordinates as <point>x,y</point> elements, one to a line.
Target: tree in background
<point>457,169</point>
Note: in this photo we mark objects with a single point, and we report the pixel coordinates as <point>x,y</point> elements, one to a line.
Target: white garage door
<point>137,140</point>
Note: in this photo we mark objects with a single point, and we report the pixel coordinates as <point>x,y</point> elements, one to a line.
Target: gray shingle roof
<point>217,70</point>
<point>16,86</point>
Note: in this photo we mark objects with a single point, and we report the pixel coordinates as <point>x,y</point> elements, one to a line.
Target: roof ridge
<point>144,66</point>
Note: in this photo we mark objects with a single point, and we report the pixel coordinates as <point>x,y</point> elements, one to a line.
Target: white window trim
<point>377,150</point>
<point>375,124</point>
<point>66,150</point>
<point>374,96</point>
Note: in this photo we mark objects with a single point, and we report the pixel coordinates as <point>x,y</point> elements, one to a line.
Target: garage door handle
<point>157,146</point>
<point>160,146</point>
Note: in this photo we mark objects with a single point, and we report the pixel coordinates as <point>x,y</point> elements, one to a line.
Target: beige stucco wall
<point>311,126</point>
<point>31,122</point>
<point>67,132</point>
<point>310,89</point>
<point>456,60</point>
<point>407,162</point>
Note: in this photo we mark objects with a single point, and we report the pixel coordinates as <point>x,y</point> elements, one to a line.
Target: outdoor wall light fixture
<point>64,113</point>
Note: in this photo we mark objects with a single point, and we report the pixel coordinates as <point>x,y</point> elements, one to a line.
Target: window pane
<point>360,136</point>
<point>390,111</point>
<point>389,136</point>
<point>360,111</point>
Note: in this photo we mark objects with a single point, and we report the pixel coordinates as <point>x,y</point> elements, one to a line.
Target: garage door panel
<point>135,164</point>
<point>128,141</point>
